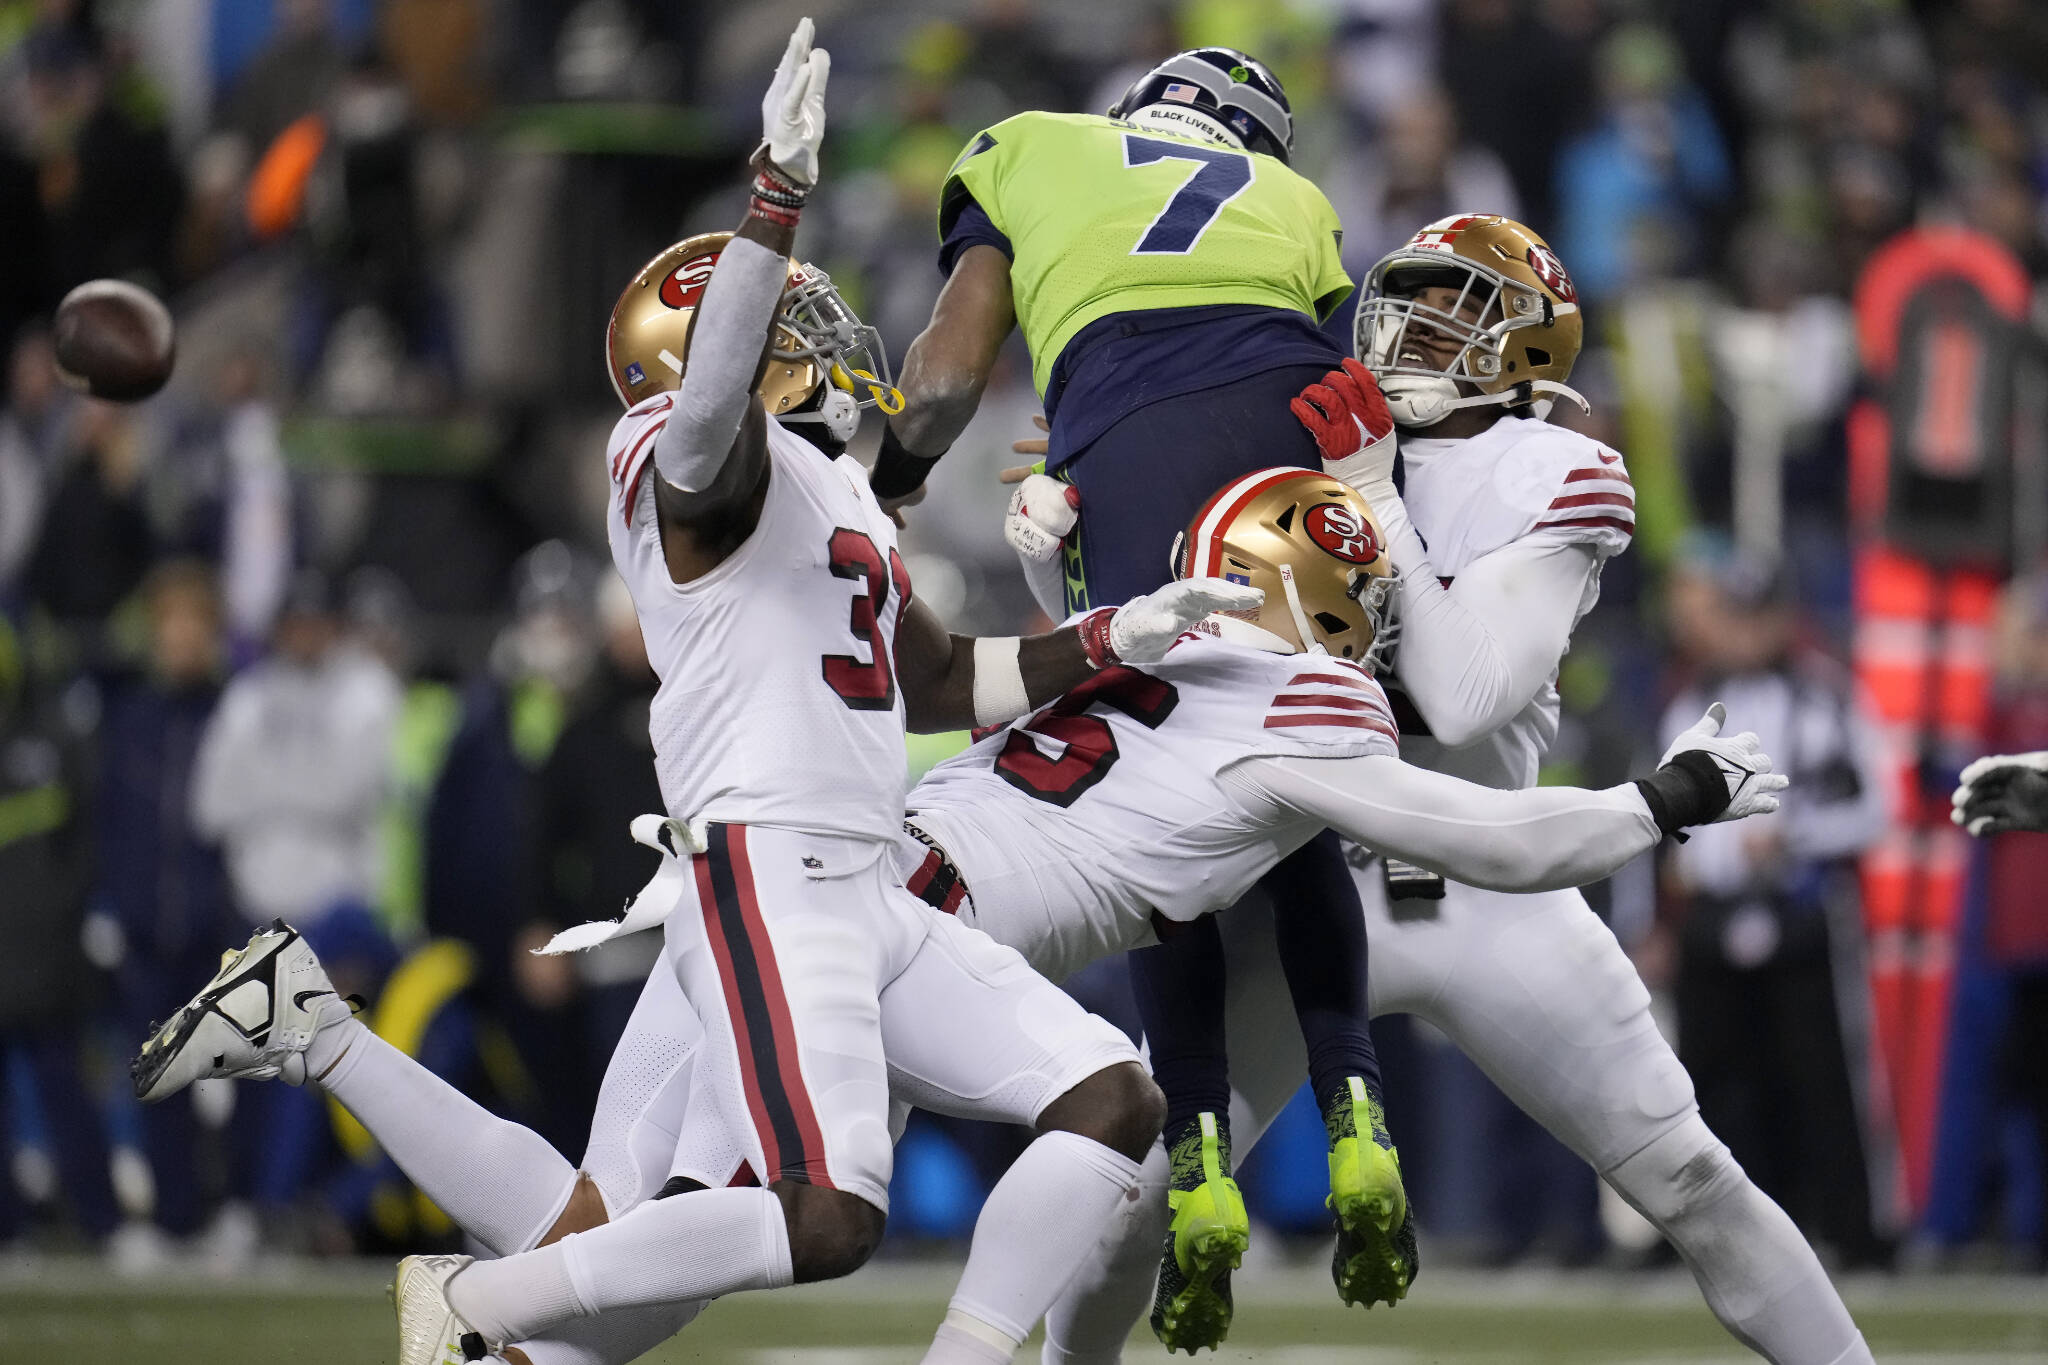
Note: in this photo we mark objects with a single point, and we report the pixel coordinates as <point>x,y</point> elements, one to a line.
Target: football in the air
<point>114,340</point>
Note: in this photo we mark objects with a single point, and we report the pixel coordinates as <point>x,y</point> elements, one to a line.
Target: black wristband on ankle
<point>897,472</point>
<point>1689,790</point>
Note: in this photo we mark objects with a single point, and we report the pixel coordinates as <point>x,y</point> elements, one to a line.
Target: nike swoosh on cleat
<point>303,996</point>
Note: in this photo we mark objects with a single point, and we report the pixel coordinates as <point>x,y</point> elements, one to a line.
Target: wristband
<point>1096,645</point>
<point>1689,790</point>
<point>776,197</point>
<point>897,472</point>
<point>999,694</point>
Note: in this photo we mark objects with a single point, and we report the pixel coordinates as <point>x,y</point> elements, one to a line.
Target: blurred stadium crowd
<point>324,631</point>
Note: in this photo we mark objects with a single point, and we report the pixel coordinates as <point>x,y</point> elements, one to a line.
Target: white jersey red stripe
<point>1338,697</point>
<point>1597,496</point>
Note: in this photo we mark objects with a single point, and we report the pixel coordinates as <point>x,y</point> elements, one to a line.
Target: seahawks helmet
<point>1207,91</point>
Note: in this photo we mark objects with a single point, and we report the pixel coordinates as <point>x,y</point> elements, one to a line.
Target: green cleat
<point>1204,1243</point>
<point>1375,1260</point>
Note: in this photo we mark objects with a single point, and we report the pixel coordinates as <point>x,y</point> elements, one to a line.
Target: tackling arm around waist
<point>1538,839</point>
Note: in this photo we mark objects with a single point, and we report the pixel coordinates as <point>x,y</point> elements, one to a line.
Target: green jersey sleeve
<point>1105,219</point>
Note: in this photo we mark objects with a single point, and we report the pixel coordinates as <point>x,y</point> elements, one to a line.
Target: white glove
<point>1144,628</point>
<point>793,110</point>
<point>2002,792</point>
<point>1042,511</point>
<point>1740,760</point>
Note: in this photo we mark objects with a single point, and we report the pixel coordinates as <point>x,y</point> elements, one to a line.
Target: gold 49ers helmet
<point>826,364</point>
<point>1315,547</point>
<point>1516,319</point>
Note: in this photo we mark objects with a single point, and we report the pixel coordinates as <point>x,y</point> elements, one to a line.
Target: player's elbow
<point>938,398</point>
<point>935,705</point>
<point>1458,729</point>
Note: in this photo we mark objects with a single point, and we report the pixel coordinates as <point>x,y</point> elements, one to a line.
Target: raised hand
<point>793,110</point>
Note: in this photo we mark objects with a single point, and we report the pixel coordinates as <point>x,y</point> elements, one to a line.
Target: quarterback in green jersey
<point>1168,269</point>
<point>1163,254</point>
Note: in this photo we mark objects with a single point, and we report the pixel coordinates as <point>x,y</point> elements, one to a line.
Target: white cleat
<point>253,1020</point>
<point>430,1332</point>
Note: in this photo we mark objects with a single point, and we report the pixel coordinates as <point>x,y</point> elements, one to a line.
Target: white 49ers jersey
<point>1107,804</point>
<point>778,702</point>
<point>1521,480</point>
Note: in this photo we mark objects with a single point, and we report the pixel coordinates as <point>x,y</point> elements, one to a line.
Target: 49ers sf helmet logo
<point>1339,530</point>
<point>1547,268</point>
<point>684,287</point>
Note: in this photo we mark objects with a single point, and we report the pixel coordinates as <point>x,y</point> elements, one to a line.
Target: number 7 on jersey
<point>1219,177</point>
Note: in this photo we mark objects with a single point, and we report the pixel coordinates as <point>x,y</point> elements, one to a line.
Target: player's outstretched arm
<point>1537,839</point>
<point>2003,792</point>
<point>712,453</point>
<point>945,371</point>
<point>952,682</point>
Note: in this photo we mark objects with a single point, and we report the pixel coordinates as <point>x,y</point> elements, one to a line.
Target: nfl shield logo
<point>1242,580</point>
<point>634,374</point>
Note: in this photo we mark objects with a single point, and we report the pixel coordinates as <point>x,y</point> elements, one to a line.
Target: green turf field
<point>338,1314</point>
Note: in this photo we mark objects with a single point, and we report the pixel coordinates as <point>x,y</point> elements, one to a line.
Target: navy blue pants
<point>40,1072</point>
<point>1141,482</point>
<point>1144,479</point>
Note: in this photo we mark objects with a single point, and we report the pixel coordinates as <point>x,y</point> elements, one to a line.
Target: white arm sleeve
<point>1539,839</point>
<point>725,349</point>
<point>1047,580</point>
<point>1474,654</point>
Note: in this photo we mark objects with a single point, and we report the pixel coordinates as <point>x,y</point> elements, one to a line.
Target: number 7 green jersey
<point>1103,218</point>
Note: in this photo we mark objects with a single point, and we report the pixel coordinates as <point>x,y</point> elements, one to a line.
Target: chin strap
<point>1515,395</point>
<point>1536,386</point>
<point>1309,643</point>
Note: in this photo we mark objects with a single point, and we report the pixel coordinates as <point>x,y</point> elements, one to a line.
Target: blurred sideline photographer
<point>290,780</point>
<point>164,893</point>
<point>1769,962</point>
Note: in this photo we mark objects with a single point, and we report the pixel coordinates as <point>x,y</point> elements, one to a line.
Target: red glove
<point>1346,413</point>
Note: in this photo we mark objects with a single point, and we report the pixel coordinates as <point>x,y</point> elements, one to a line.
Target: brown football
<point>114,340</point>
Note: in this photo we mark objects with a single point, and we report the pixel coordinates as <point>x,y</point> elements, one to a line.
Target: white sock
<point>613,1339</point>
<point>1040,1222</point>
<point>503,1184</point>
<point>1758,1274</point>
<point>1112,1288</point>
<point>666,1252</point>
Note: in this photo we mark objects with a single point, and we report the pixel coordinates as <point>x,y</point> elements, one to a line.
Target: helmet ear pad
<point>839,412</point>
<point>827,419</point>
